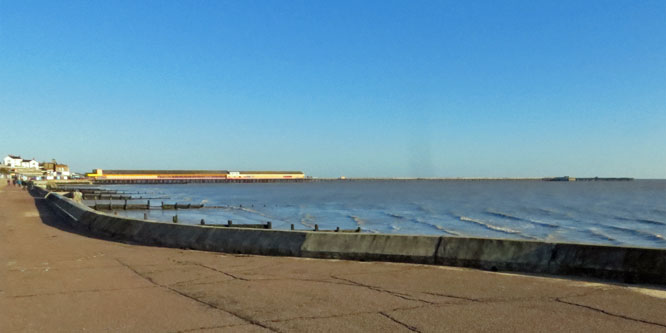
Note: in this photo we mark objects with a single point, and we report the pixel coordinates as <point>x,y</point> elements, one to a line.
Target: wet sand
<point>55,279</point>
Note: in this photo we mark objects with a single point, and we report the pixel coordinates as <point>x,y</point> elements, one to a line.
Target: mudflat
<point>56,279</point>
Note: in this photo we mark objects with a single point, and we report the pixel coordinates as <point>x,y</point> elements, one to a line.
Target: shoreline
<point>65,278</point>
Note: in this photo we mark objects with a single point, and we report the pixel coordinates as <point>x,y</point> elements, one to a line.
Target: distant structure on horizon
<point>582,179</point>
<point>181,176</point>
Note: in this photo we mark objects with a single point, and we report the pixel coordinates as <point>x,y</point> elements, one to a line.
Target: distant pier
<point>99,176</point>
<point>192,181</point>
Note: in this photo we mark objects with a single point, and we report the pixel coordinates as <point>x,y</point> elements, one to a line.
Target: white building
<point>62,170</point>
<point>13,161</point>
<point>31,164</point>
<point>34,164</point>
<point>17,162</point>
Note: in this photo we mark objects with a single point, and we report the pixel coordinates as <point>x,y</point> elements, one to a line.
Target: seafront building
<point>15,166</point>
<point>14,161</point>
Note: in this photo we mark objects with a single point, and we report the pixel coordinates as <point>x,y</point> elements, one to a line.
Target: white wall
<point>11,162</point>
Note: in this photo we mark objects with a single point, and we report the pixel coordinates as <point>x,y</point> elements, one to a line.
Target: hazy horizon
<point>355,89</point>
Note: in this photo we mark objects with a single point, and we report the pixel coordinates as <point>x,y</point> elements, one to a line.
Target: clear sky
<point>353,88</point>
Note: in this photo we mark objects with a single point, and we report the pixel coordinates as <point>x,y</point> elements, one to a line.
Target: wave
<point>423,208</point>
<point>428,224</point>
<point>494,227</point>
<point>361,223</point>
<point>516,218</point>
<point>308,221</point>
<point>553,213</point>
<point>553,237</point>
<point>436,226</point>
<point>599,234</point>
<point>644,234</point>
<point>647,221</point>
<point>252,211</point>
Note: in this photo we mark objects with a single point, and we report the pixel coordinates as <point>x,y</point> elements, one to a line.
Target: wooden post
<point>145,216</point>
<point>292,226</point>
<point>125,205</point>
<point>316,227</point>
<point>175,218</point>
<point>203,222</point>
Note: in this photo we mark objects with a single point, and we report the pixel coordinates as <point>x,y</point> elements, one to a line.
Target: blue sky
<point>354,88</point>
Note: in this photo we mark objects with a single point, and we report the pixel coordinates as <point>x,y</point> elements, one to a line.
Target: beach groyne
<point>615,263</point>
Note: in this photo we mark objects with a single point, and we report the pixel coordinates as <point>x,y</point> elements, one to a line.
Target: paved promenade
<point>56,280</point>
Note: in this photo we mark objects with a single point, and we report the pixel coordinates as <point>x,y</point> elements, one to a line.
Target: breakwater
<point>624,264</point>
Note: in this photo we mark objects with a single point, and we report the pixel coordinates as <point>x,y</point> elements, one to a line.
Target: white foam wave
<point>493,227</point>
<point>601,235</point>
<point>523,219</point>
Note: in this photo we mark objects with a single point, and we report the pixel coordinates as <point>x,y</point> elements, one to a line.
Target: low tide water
<point>630,213</point>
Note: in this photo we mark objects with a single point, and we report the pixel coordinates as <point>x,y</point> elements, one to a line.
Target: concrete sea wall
<point>622,264</point>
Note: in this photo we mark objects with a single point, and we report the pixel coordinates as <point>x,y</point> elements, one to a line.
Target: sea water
<point>600,212</point>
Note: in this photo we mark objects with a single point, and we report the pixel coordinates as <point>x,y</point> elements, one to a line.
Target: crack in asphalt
<point>346,314</point>
<point>393,293</point>
<point>208,328</point>
<point>342,315</point>
<point>610,313</point>
<point>456,297</point>
<point>211,305</point>
<point>409,327</point>
<point>209,268</point>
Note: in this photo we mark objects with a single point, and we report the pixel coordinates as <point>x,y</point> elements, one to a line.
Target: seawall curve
<point>615,263</point>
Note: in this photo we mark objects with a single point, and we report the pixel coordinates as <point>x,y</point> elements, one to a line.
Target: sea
<point>627,213</point>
